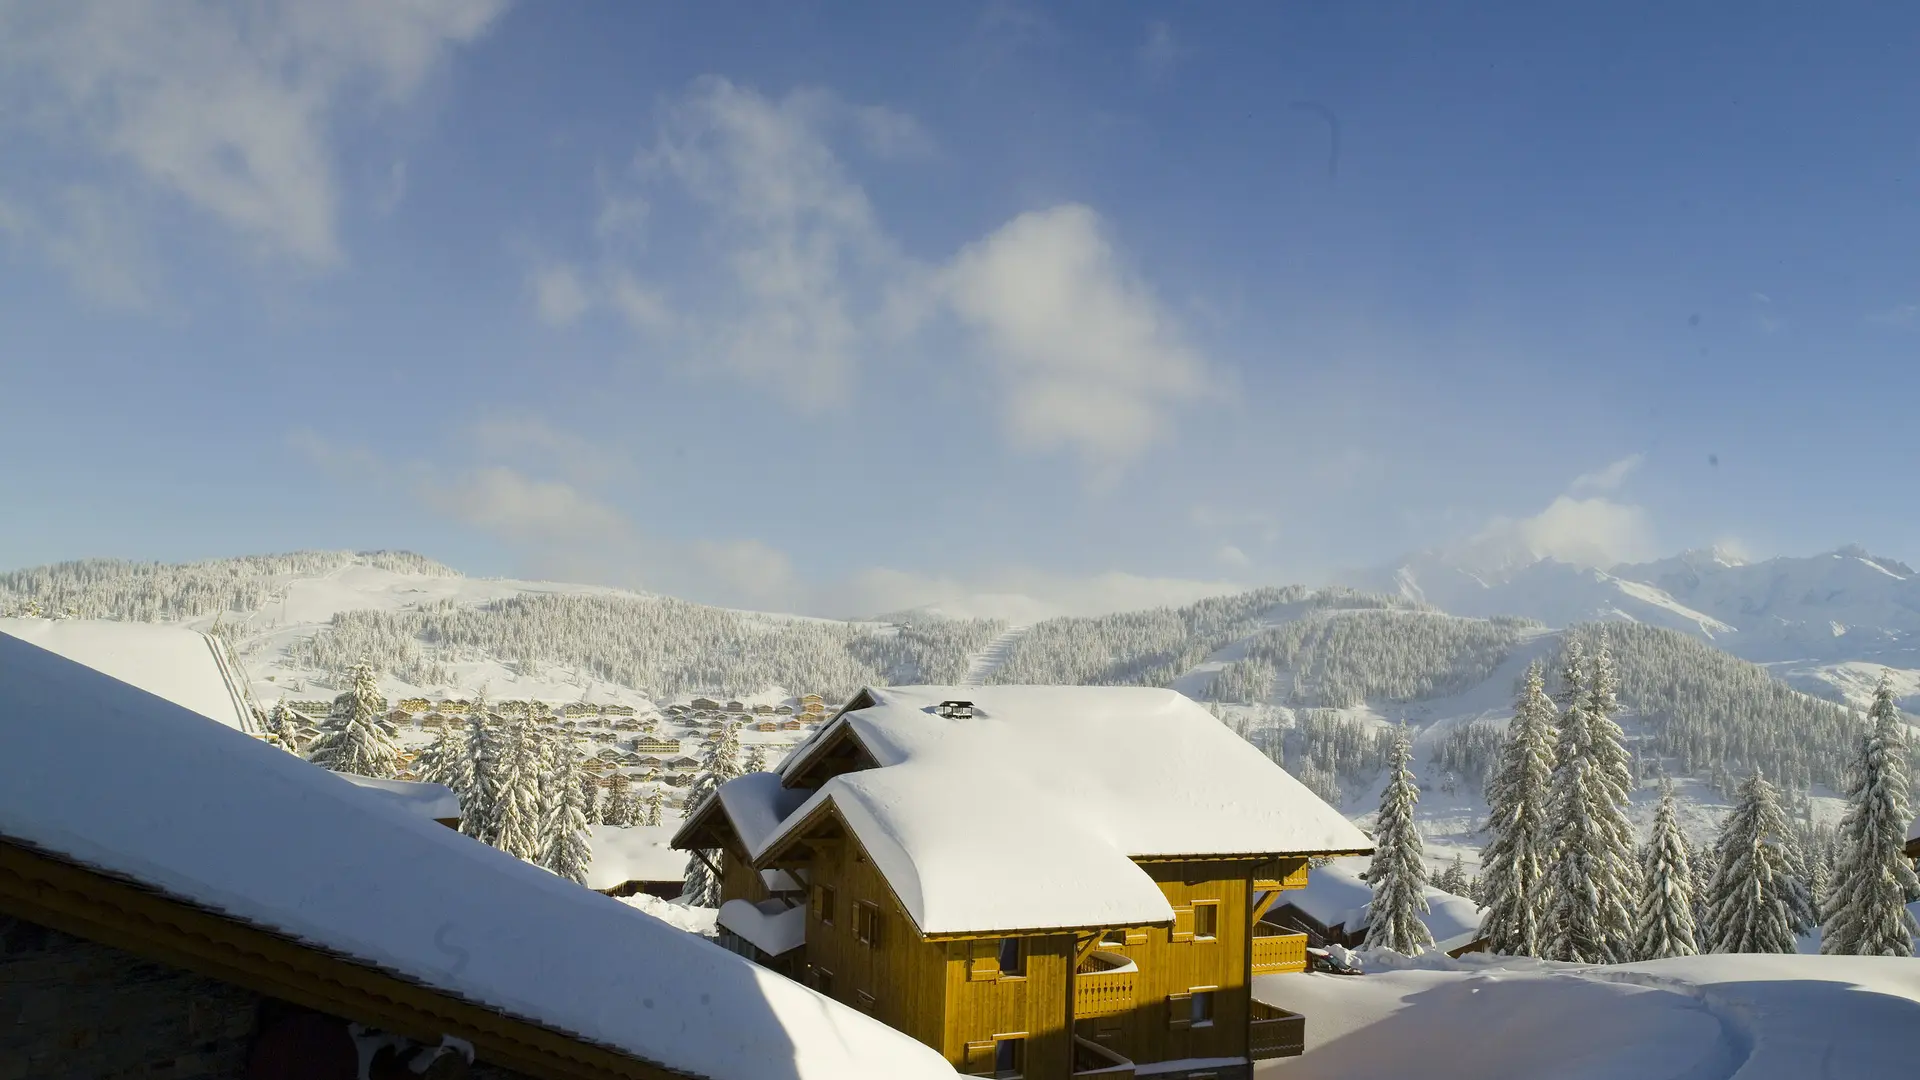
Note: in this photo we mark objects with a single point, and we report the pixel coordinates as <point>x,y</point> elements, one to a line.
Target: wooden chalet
<point>1041,882</point>
<point>702,704</point>
<point>201,906</point>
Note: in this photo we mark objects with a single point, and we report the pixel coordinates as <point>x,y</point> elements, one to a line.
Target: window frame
<point>1018,1045</point>
<point>866,923</point>
<point>1200,999</point>
<point>1212,916</point>
<point>823,903</point>
<point>1019,947</point>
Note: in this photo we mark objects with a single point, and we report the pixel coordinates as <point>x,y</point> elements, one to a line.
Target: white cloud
<point>227,106</point>
<point>1087,356</point>
<point>1231,556</point>
<point>803,287</point>
<point>1593,531</point>
<point>517,507</point>
<point>558,293</point>
<point>890,133</point>
<point>94,240</point>
<point>1608,478</point>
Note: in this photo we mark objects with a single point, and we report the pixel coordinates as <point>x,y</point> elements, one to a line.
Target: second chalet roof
<point>138,788</point>
<point>1029,813</point>
<point>189,668</point>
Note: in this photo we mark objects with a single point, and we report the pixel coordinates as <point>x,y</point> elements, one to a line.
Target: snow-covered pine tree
<point>517,802</point>
<point>1514,866</point>
<point>756,759</point>
<point>718,765</point>
<point>358,738</point>
<point>1755,898</point>
<point>476,778</point>
<point>590,791</point>
<point>1398,872</point>
<point>1705,865</point>
<point>1664,923</point>
<point>650,809</point>
<point>1590,885</point>
<point>568,842</point>
<point>1866,912</point>
<point>1453,879</point>
<point>439,762</point>
<point>620,809</point>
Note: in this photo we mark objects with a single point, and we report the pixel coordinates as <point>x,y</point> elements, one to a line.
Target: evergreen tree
<point>1514,866</point>
<point>1705,865</point>
<point>590,795</point>
<point>1756,900</point>
<point>756,759</point>
<point>1665,924</point>
<point>1866,915</point>
<point>568,841</point>
<point>476,780</point>
<point>1454,879</point>
<point>718,765</point>
<point>1590,886</point>
<point>1398,873</point>
<point>621,809</point>
<point>650,812</point>
<point>517,805</point>
<point>358,738</point>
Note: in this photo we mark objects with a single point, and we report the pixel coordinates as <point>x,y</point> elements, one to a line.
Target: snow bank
<point>186,667</point>
<point>1757,1017</point>
<point>1115,773</point>
<point>693,920</point>
<point>634,853</point>
<point>435,802</point>
<point>139,787</point>
<point>771,926</point>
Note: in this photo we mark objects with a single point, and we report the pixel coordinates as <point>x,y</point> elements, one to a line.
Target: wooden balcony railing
<point>1092,1059</point>
<point>1276,950</point>
<point>1273,1033</point>
<point>1104,985</point>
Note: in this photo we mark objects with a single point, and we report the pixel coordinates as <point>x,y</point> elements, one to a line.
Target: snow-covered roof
<point>1335,897</point>
<point>188,668</point>
<point>634,853</point>
<point>1057,789</point>
<point>137,787</point>
<point>770,925</point>
<point>757,805</point>
<point>435,802</point>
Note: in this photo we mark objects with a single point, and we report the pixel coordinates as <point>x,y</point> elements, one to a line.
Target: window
<point>1013,958</point>
<point>823,903</point>
<point>823,981</point>
<point>1008,1057</point>
<point>1206,921</point>
<point>1200,1009</point>
<point>1114,937</point>
<point>866,924</point>
<point>864,1001</point>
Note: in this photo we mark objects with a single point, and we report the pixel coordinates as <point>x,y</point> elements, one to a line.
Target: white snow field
<point>138,787</point>
<point>1750,1017</point>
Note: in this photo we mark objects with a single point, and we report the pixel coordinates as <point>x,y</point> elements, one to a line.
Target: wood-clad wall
<point>1173,963</point>
<point>899,981</point>
<point>984,1004</point>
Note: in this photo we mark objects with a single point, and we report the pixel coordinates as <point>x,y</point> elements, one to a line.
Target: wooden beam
<point>1262,906</point>
<point>701,854</point>
<point>1082,952</point>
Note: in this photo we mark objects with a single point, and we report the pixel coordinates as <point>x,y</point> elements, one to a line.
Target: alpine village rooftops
<point>187,854</point>
<point>964,853</point>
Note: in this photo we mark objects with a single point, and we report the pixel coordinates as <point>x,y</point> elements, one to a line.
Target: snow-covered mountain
<point>1826,623</point>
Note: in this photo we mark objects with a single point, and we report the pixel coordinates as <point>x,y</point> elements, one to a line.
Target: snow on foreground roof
<point>770,925</point>
<point>1758,1017</point>
<point>1336,897</point>
<point>184,666</point>
<point>634,853</point>
<point>434,802</point>
<point>135,786</point>
<point>1058,789</point>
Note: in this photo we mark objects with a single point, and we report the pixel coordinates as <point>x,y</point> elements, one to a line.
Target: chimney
<point>956,710</point>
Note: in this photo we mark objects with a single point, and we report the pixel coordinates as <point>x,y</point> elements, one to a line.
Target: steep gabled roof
<point>190,669</point>
<point>1029,814</point>
<point>133,788</point>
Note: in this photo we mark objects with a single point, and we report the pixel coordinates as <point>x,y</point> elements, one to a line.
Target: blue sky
<point>873,305</point>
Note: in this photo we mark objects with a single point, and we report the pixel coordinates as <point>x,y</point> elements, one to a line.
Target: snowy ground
<point>1697,1018</point>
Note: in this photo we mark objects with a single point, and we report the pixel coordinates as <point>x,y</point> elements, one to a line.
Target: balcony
<point>1103,985</point>
<point>1273,1033</point>
<point>1276,950</point>
<point>1092,1059</point>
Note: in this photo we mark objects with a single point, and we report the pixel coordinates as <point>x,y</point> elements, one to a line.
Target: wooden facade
<point>1041,1005</point>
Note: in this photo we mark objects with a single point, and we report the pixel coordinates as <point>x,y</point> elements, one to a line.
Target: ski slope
<point>993,655</point>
